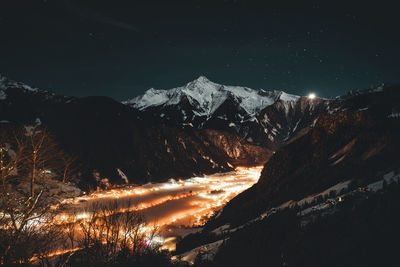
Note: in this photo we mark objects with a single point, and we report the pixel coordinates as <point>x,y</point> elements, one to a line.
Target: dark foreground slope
<point>362,231</point>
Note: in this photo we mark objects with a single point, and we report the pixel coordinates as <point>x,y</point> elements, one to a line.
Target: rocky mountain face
<point>340,175</point>
<point>356,140</point>
<point>266,118</point>
<point>111,139</point>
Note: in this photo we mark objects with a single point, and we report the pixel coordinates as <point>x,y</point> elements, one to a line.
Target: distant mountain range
<point>181,127</point>
<point>108,136</point>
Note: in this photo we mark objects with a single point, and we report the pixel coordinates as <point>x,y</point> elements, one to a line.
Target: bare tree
<point>32,170</point>
<point>30,164</point>
<point>111,237</point>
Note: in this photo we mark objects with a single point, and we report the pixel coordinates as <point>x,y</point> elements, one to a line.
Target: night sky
<point>122,48</point>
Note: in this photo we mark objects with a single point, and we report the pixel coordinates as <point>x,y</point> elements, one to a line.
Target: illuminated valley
<point>176,207</point>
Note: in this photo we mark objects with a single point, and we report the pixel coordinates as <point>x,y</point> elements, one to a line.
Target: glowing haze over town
<point>176,206</point>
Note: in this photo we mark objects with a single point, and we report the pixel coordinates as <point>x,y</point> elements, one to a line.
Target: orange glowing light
<point>187,202</point>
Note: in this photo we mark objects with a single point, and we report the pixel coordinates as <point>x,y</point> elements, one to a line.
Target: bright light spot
<point>83,215</point>
<point>311,96</point>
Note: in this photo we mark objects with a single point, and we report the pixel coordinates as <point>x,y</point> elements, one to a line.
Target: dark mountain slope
<point>357,139</point>
<point>106,136</point>
<point>293,217</point>
<point>362,231</point>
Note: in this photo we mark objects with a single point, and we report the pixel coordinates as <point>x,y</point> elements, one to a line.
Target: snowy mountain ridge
<point>262,117</point>
<point>206,97</point>
<point>11,91</point>
<point>6,84</point>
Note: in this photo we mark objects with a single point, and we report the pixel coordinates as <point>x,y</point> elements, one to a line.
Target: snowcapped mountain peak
<point>201,86</point>
<point>206,97</point>
<point>200,80</point>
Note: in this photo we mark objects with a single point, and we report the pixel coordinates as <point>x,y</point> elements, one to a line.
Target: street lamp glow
<point>312,96</point>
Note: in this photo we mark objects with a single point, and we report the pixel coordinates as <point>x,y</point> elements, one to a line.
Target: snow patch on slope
<point>123,176</point>
<point>288,97</point>
<point>393,115</point>
<point>207,252</point>
<point>3,95</point>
